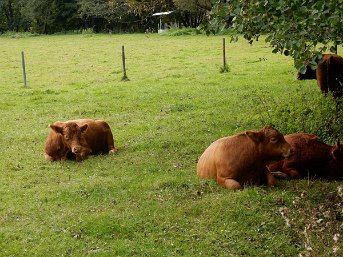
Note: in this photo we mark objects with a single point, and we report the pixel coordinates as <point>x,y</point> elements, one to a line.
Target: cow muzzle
<point>83,154</point>
<point>288,153</point>
<point>76,149</point>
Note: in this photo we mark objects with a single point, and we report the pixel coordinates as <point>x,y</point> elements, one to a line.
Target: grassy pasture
<point>147,200</point>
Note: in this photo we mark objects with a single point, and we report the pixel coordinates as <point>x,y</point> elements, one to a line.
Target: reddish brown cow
<point>76,139</point>
<point>311,158</point>
<point>240,160</point>
<point>329,74</point>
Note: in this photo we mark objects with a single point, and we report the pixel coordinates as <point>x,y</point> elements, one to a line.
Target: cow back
<point>236,157</point>
<point>208,161</point>
<point>243,157</point>
<point>97,135</point>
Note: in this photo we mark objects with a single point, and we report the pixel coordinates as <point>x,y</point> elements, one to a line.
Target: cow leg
<point>48,157</point>
<point>322,77</point>
<point>271,180</point>
<point>110,143</point>
<point>229,183</point>
<point>292,173</point>
<point>279,174</point>
<point>113,151</point>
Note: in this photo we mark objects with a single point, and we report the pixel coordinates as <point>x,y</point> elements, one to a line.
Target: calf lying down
<point>311,158</point>
<point>239,160</point>
<point>77,139</point>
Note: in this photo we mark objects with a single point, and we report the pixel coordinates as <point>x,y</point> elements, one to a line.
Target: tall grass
<point>147,200</point>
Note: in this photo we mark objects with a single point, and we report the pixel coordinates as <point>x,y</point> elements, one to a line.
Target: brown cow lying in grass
<point>329,74</point>
<point>311,158</point>
<point>236,161</point>
<point>76,139</point>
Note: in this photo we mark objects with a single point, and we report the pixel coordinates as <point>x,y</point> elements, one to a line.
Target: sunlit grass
<point>147,200</point>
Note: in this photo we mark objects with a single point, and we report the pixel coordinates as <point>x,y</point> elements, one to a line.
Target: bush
<point>305,112</point>
<point>88,31</point>
<point>182,31</point>
<point>13,34</point>
<point>318,115</point>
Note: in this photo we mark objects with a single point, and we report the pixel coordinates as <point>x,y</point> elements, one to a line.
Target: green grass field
<point>147,199</point>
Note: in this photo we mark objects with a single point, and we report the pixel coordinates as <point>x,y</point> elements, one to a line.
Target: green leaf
<point>333,49</point>
<point>302,69</point>
<point>313,65</point>
<point>303,28</point>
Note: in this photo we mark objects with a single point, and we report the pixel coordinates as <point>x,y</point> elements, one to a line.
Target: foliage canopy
<point>303,29</point>
<point>51,16</point>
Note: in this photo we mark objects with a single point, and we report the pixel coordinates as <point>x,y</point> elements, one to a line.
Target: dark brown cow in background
<point>76,139</point>
<point>240,160</point>
<point>311,158</point>
<point>309,74</point>
<point>329,74</point>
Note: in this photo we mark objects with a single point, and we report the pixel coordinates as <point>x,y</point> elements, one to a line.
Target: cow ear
<point>270,126</point>
<point>254,136</point>
<point>56,128</point>
<point>336,151</point>
<point>84,128</point>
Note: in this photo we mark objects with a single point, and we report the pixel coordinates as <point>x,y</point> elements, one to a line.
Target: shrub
<point>305,112</point>
<point>182,31</point>
<point>13,34</point>
<point>318,115</point>
<point>88,31</point>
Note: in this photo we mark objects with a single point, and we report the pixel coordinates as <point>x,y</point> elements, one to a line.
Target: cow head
<point>73,137</point>
<point>309,74</point>
<point>271,143</point>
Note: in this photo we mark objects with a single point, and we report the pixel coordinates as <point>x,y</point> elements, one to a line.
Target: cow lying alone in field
<point>240,160</point>
<point>311,158</point>
<point>329,74</point>
<point>76,139</point>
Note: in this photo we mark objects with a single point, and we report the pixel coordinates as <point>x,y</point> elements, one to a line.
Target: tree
<point>93,13</point>
<point>148,7</point>
<point>11,15</point>
<point>144,9</point>
<point>106,15</point>
<point>120,16</point>
<point>50,16</point>
<point>303,29</point>
<point>193,12</point>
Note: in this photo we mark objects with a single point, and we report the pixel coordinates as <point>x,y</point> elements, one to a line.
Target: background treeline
<point>51,16</point>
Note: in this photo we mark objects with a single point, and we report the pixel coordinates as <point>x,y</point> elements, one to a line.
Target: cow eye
<point>67,137</point>
<point>273,140</point>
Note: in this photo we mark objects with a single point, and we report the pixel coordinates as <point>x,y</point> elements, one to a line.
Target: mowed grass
<point>147,200</point>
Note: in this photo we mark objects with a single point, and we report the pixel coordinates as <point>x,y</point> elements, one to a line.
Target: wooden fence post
<point>224,57</point>
<point>23,65</point>
<point>225,68</point>
<point>124,78</point>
